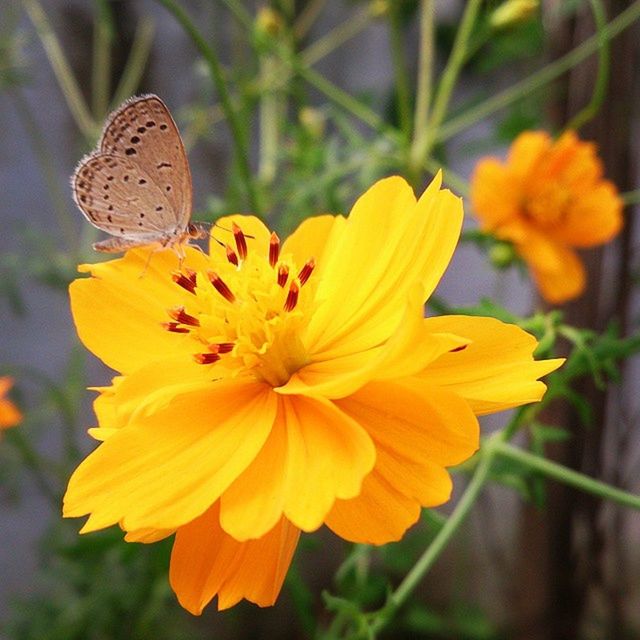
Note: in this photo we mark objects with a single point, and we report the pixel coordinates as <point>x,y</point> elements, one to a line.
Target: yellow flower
<point>269,388</point>
<point>548,198</point>
<point>10,416</point>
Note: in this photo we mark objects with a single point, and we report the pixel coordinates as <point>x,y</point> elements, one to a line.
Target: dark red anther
<point>241,241</point>
<point>182,317</point>
<point>306,271</point>
<point>292,297</point>
<point>174,327</point>
<point>221,347</point>
<point>232,256</point>
<point>283,274</point>
<point>191,274</point>
<point>274,249</point>
<point>206,358</point>
<point>221,286</point>
<point>460,348</point>
<point>184,281</point>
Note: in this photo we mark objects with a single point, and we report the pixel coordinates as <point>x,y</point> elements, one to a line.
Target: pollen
<point>247,311</point>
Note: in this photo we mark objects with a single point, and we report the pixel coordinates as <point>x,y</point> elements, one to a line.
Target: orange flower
<point>269,388</point>
<point>548,198</point>
<point>10,416</point>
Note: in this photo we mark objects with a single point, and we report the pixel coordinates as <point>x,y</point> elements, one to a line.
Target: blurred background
<point>316,85</point>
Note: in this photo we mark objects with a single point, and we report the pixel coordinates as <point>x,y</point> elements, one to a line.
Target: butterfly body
<point>136,185</point>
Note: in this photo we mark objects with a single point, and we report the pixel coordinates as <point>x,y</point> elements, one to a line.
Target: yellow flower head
<point>548,198</point>
<point>270,387</point>
<point>10,416</point>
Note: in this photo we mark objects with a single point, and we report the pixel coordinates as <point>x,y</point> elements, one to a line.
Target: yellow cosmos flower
<point>548,198</point>
<point>10,416</point>
<point>269,388</point>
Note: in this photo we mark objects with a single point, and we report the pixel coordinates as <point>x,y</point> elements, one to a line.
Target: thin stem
<point>269,126</point>
<point>103,31</point>
<point>336,37</point>
<point>61,68</point>
<point>631,197</point>
<point>307,18</point>
<point>137,61</point>
<point>238,134</point>
<point>567,476</point>
<point>602,78</point>
<point>540,78</point>
<point>398,57</point>
<point>449,77</point>
<point>438,545</point>
<point>425,81</point>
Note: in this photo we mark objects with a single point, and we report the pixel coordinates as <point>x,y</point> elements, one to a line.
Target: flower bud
<point>269,22</point>
<point>513,12</point>
<point>501,255</point>
<point>313,121</point>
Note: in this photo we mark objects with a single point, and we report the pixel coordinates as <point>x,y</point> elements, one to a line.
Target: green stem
<point>238,134</point>
<point>540,78</point>
<point>134,68</point>
<point>631,197</point>
<point>403,96</point>
<point>269,126</point>
<point>450,75</point>
<point>602,77</point>
<point>425,81</point>
<point>437,546</point>
<point>61,68</point>
<point>307,17</point>
<point>567,476</point>
<point>103,32</point>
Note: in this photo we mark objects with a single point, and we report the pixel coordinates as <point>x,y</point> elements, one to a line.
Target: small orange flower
<point>10,416</point>
<point>548,198</point>
<point>269,388</point>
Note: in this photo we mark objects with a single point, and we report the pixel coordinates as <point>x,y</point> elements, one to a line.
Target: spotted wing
<point>117,196</point>
<point>143,131</point>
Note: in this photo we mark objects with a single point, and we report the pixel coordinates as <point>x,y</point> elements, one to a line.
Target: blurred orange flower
<point>10,416</point>
<point>269,388</point>
<point>548,198</point>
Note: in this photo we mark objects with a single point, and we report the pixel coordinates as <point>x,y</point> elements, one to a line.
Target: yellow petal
<point>389,244</point>
<point>206,562</point>
<point>148,536</point>
<point>165,469</point>
<point>496,371</point>
<point>118,312</point>
<point>312,237</point>
<point>256,235</point>
<point>417,431</point>
<point>326,456</point>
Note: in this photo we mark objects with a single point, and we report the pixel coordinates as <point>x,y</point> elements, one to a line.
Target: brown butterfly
<point>136,185</point>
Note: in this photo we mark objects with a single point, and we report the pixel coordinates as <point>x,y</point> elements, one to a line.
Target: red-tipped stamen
<point>182,317</point>
<point>174,327</point>
<point>221,347</point>
<point>292,297</point>
<point>191,274</point>
<point>221,286</point>
<point>241,241</point>
<point>232,256</point>
<point>306,271</point>
<point>460,348</point>
<point>283,274</point>
<point>274,249</point>
<point>206,358</point>
<point>184,281</point>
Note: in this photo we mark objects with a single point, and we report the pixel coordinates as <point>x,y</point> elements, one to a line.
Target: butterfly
<point>136,185</point>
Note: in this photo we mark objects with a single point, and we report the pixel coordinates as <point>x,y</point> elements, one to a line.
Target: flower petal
<point>255,231</point>
<point>557,270</point>
<point>389,244</point>
<point>118,312</point>
<point>493,197</point>
<point>321,453</point>
<point>418,429</point>
<point>206,562</point>
<point>496,371</point>
<point>165,469</point>
<point>312,238</point>
<point>527,151</point>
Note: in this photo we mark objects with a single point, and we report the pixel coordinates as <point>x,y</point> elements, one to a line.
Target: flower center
<point>548,206</point>
<point>246,312</point>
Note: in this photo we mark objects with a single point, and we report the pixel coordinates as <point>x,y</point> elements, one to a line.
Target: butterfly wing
<point>117,196</point>
<point>143,131</point>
